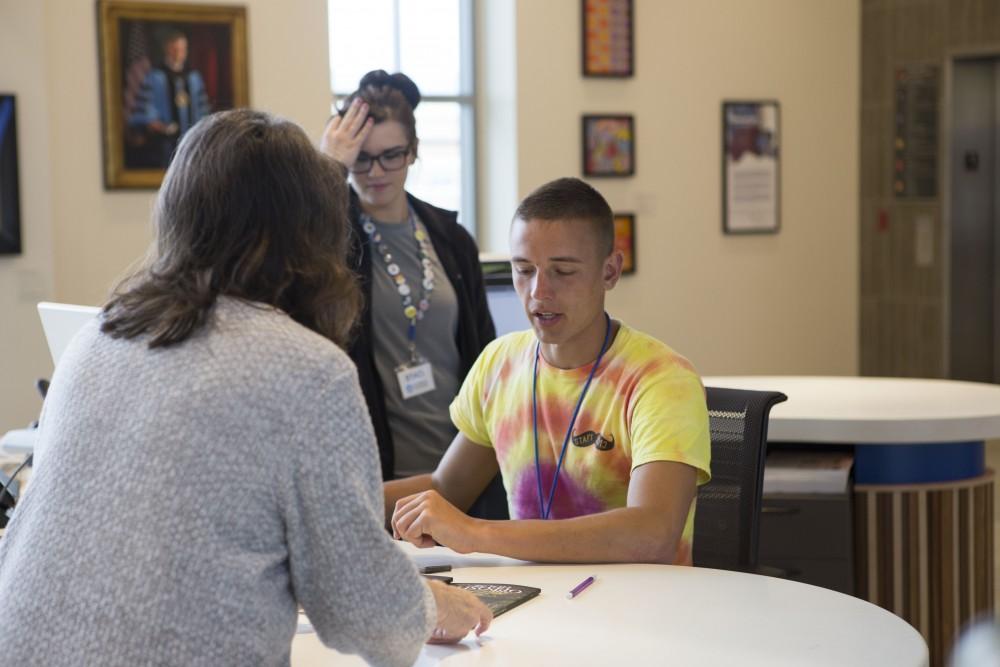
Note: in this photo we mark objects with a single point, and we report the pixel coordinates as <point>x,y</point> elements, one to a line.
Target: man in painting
<point>172,99</point>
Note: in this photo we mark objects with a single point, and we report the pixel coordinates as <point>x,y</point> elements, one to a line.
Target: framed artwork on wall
<point>608,145</point>
<point>164,66</point>
<point>608,38</point>
<point>10,194</point>
<point>625,240</point>
<point>751,202</point>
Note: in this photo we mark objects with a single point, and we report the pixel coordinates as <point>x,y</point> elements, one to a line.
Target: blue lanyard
<point>545,510</point>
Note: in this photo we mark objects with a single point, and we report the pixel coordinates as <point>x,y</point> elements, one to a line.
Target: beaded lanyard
<point>412,312</point>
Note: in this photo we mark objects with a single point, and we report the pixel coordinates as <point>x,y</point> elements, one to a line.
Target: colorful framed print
<point>164,67</point>
<point>751,202</point>
<point>608,38</point>
<point>10,195</point>
<point>608,145</point>
<point>625,240</point>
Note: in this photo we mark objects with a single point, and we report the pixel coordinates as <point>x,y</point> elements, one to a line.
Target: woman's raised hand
<point>344,135</point>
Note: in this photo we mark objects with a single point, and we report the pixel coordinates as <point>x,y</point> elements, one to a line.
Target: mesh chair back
<point>727,516</point>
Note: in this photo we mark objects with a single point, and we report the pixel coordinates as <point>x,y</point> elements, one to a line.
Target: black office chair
<point>727,516</point>
<point>492,503</point>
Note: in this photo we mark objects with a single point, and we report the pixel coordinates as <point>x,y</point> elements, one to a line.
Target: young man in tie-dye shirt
<point>599,431</point>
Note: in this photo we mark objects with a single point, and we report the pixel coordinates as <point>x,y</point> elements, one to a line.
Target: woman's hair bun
<point>379,78</point>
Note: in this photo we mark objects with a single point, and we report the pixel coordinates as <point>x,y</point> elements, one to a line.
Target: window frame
<point>468,105</point>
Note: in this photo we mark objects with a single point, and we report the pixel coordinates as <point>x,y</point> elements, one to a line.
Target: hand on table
<point>426,519</point>
<point>458,611</point>
<point>343,136</point>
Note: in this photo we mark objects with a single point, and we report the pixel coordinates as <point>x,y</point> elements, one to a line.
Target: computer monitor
<point>506,309</point>
<point>61,321</point>
<point>504,304</point>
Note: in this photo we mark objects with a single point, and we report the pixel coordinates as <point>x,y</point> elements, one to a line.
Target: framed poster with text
<point>751,202</point>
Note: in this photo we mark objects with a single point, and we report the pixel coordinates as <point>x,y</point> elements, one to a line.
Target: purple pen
<point>580,588</point>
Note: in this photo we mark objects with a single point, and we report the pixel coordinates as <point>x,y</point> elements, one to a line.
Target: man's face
<point>175,53</point>
<point>561,274</point>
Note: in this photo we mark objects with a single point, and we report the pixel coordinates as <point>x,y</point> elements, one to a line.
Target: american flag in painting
<point>137,64</point>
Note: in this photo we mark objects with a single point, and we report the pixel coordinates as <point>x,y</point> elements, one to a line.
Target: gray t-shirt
<point>421,427</point>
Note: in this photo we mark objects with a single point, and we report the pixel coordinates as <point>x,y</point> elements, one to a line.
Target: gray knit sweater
<point>185,499</point>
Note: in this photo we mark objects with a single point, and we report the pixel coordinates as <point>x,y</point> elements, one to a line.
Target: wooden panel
<point>902,319</point>
<point>876,48</point>
<point>861,560</point>
<point>925,553</point>
<point>972,22</point>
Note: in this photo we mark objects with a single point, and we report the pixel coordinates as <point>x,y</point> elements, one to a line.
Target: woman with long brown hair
<point>205,462</point>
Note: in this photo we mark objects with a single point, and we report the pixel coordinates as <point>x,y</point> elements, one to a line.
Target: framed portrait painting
<point>751,202</point>
<point>625,240</point>
<point>607,38</point>
<point>10,196</point>
<point>608,145</point>
<point>164,66</point>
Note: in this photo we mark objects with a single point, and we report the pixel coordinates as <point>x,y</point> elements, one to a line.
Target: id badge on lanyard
<point>415,378</point>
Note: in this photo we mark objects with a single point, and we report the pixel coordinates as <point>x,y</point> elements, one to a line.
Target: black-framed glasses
<point>393,159</point>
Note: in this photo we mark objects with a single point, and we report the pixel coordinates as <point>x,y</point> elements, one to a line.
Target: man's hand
<point>458,611</point>
<point>344,135</point>
<point>426,519</point>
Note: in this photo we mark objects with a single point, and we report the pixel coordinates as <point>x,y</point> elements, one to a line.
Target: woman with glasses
<point>425,318</point>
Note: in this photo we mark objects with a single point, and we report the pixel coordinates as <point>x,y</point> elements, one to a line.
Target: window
<point>431,42</point>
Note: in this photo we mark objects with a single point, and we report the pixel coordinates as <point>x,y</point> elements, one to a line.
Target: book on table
<point>500,598</point>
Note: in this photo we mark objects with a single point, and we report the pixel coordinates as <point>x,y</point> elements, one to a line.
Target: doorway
<point>974,241</point>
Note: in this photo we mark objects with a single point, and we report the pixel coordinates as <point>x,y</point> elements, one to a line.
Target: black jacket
<point>460,259</point>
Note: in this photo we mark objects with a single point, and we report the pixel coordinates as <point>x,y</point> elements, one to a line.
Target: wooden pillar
<point>925,553</point>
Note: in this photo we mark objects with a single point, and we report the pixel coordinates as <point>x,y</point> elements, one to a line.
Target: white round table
<point>875,410</point>
<point>923,498</point>
<point>659,614</point>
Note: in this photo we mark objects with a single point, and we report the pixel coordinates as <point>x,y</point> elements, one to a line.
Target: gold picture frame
<point>164,66</point>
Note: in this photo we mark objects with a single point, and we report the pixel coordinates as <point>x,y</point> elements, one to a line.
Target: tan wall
<point>90,235</point>
<point>98,232</point>
<point>771,304</point>
<point>27,278</point>
<point>785,303</point>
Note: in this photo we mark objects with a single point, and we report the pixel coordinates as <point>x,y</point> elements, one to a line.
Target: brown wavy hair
<point>248,209</point>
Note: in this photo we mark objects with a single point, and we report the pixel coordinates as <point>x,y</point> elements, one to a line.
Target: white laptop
<point>61,321</point>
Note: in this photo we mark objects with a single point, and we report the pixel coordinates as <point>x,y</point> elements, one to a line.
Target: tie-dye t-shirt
<point>646,403</point>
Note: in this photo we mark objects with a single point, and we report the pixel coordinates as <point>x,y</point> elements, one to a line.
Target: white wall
<point>785,303</point>
<point>79,238</point>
